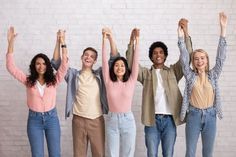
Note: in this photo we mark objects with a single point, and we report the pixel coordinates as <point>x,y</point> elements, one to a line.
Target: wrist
<point>63,45</point>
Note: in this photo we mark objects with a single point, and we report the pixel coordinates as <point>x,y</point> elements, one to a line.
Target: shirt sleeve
<point>14,70</point>
<point>61,72</point>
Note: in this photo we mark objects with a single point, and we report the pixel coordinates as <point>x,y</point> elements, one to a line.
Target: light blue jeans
<point>44,123</point>
<point>164,131</point>
<point>200,121</point>
<point>121,134</point>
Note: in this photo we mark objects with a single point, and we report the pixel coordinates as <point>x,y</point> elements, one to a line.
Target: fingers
<point>107,33</point>
<point>183,22</point>
<point>222,16</point>
<point>135,34</point>
<point>11,34</point>
<point>61,36</point>
<point>223,19</point>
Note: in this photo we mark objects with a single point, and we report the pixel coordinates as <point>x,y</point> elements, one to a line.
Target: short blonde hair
<point>192,59</point>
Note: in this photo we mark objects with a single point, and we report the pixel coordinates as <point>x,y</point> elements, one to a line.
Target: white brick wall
<point>36,22</point>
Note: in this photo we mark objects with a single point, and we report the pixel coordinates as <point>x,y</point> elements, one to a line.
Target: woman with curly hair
<point>41,86</point>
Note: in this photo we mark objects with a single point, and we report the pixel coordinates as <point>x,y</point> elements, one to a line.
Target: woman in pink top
<point>120,83</point>
<point>41,86</point>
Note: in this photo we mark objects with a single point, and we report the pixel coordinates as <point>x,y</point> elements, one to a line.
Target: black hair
<point>127,70</point>
<point>155,45</point>
<point>49,76</point>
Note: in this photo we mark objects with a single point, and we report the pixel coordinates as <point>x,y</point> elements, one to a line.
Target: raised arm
<point>130,50</point>
<point>183,23</point>
<point>113,48</point>
<point>56,61</point>
<point>10,63</point>
<point>110,37</point>
<point>221,50</point>
<point>135,63</point>
<point>184,55</point>
<point>64,65</point>
<point>105,66</point>
<point>223,23</point>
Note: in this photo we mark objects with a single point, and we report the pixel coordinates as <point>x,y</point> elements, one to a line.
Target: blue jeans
<point>44,123</point>
<point>200,121</point>
<point>164,131</point>
<point>121,132</point>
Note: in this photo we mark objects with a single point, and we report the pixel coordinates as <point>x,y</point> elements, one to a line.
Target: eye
<point>93,57</point>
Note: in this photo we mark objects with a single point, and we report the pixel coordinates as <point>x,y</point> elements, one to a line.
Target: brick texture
<point>37,21</point>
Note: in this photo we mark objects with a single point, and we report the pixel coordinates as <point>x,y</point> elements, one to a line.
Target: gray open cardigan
<point>213,76</point>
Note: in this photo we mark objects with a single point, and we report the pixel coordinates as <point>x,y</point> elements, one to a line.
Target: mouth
<point>87,61</point>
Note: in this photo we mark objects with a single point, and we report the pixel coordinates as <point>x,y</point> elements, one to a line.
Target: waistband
<point>198,109</point>
<point>163,115</point>
<point>42,113</point>
<point>120,113</point>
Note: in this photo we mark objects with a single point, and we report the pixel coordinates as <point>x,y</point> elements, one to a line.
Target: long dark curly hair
<point>127,70</point>
<point>49,76</point>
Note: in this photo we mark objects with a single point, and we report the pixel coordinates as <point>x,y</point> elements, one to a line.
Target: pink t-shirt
<point>120,94</point>
<point>34,101</point>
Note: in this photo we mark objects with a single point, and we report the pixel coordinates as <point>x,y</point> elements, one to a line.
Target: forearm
<point>184,55</point>
<point>221,50</point>
<point>63,66</point>
<point>188,43</point>
<point>105,69</point>
<point>135,64</point>
<point>129,54</point>
<point>222,31</point>
<point>56,54</point>
<point>13,69</point>
<point>113,47</point>
<point>10,47</point>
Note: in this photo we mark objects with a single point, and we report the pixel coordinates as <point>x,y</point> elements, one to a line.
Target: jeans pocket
<point>213,113</point>
<point>129,117</point>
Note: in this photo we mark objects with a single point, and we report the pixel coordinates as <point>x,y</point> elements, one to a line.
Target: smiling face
<point>40,66</point>
<point>158,57</point>
<point>119,69</point>
<point>200,61</point>
<point>88,59</point>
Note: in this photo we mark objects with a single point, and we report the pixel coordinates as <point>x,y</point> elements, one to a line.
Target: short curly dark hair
<point>155,45</point>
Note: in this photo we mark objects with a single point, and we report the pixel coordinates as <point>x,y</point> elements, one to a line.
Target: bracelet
<point>63,46</point>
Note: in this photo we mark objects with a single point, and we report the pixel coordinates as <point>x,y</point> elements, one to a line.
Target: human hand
<point>11,35</point>
<point>183,23</point>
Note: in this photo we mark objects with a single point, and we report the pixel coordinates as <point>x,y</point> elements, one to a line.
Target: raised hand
<point>183,23</point>
<point>223,19</point>
<point>61,36</point>
<point>134,35</point>
<point>108,33</point>
<point>223,23</point>
<point>11,35</point>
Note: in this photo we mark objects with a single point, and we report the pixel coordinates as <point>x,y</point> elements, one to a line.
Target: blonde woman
<point>201,102</point>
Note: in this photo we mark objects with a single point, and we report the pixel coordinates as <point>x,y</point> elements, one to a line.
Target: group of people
<point>109,90</point>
